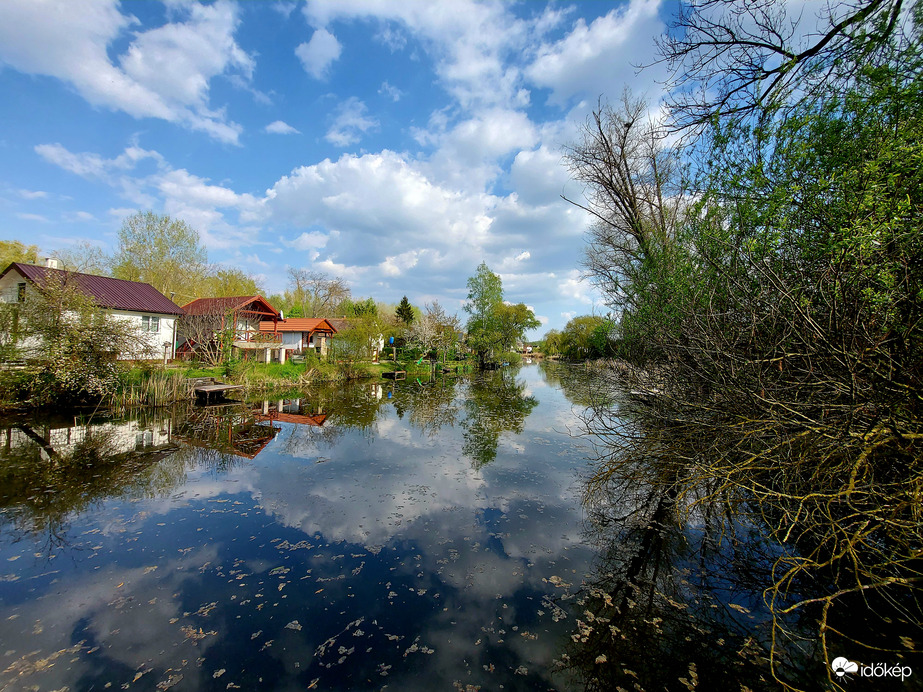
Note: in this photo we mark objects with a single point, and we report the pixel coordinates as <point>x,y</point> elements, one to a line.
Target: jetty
<point>207,389</point>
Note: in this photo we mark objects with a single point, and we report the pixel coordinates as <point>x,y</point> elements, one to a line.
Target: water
<point>402,536</point>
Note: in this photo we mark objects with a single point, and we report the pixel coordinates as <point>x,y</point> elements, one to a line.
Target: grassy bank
<point>142,386</point>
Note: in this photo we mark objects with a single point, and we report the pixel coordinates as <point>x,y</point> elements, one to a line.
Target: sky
<point>397,144</point>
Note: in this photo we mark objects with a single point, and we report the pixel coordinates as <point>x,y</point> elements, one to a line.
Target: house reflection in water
<point>56,439</point>
<point>229,428</point>
<point>298,411</point>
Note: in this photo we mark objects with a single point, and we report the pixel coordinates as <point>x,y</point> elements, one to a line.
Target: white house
<point>143,305</point>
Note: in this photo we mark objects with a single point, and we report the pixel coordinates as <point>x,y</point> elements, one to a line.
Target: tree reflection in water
<point>753,582</point>
<point>496,403</point>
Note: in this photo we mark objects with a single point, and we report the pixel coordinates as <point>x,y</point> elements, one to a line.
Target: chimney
<point>51,262</point>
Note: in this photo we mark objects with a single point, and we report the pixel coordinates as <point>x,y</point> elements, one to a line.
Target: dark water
<point>402,536</point>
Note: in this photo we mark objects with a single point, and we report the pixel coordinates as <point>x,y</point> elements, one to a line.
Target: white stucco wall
<point>154,341</point>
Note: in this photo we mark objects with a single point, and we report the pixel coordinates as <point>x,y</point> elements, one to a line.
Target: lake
<point>409,535</point>
<point>406,536</point>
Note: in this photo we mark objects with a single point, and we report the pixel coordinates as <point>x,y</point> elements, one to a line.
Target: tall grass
<point>150,388</point>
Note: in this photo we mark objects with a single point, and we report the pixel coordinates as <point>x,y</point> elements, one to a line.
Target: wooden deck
<point>206,389</point>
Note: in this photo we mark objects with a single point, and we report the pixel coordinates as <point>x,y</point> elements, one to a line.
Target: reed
<point>150,388</point>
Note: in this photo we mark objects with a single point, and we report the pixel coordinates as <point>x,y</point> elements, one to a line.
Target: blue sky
<point>395,144</point>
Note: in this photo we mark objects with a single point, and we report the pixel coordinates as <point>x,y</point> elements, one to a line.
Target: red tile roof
<point>106,292</point>
<point>210,306</point>
<point>298,324</point>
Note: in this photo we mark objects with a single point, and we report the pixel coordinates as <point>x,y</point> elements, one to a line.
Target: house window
<point>21,292</point>
<point>150,324</point>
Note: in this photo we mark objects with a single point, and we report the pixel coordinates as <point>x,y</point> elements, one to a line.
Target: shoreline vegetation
<point>150,385</point>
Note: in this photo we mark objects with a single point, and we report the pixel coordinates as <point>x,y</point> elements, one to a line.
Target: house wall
<point>151,344</point>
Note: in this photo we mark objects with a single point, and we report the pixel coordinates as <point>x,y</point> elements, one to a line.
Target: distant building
<point>300,334</point>
<point>140,304</point>
<point>209,323</point>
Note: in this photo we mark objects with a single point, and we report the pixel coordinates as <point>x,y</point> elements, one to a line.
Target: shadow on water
<point>759,584</point>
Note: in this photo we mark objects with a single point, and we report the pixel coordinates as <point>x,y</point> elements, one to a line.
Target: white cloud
<point>351,121</point>
<point>280,127</point>
<point>32,217</point>
<point>523,256</point>
<point>468,40</point>
<point>538,176</point>
<point>391,91</point>
<point>164,73</point>
<point>32,194</point>
<point>89,165</point>
<point>318,54</point>
<point>599,58</point>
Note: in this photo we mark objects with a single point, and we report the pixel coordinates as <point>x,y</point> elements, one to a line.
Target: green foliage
<point>228,282</point>
<point>404,312</point>
<point>166,253</point>
<point>74,344</point>
<point>366,308</point>
<point>585,337</point>
<point>14,251</point>
<point>494,326</point>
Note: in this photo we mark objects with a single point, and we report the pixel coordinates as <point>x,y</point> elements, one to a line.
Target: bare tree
<point>634,190</point>
<point>317,293</point>
<point>202,334</point>
<point>733,58</point>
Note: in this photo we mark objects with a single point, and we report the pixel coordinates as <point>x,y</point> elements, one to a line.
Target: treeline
<point>164,252</point>
<point>761,250</point>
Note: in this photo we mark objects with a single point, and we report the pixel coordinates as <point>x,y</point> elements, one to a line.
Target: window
<point>150,324</point>
<point>21,292</point>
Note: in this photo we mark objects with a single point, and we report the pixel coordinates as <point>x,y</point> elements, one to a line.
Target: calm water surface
<point>402,536</point>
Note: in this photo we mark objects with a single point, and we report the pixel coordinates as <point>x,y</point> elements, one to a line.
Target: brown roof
<point>210,306</point>
<point>338,323</point>
<point>298,324</point>
<point>106,292</point>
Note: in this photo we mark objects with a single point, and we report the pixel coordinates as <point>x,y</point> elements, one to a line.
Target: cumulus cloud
<point>319,53</point>
<point>164,73</point>
<point>180,193</point>
<point>280,127</point>
<point>600,58</point>
<point>468,40</point>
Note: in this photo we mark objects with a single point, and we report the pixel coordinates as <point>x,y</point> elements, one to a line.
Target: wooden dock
<point>395,375</point>
<point>206,389</point>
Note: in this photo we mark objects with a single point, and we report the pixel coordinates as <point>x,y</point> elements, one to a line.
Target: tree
<point>84,257</point>
<point>317,293</point>
<point>404,312</point>
<point>552,344</point>
<point>493,325</point>
<point>14,251</point>
<point>783,370</point>
<point>732,59</point>
<point>586,337</point>
<point>435,330</point>
<point>634,190</point>
<point>161,251</point>
<point>74,343</point>
<point>228,282</point>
